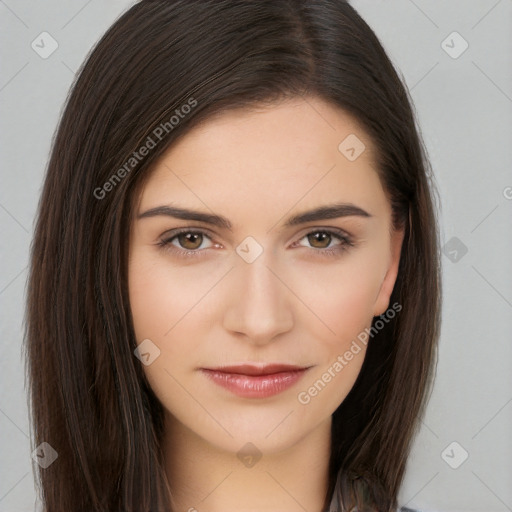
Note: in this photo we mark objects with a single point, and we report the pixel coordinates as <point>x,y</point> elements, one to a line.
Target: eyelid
<point>197,229</point>
<point>346,240</point>
<point>168,236</point>
<point>172,233</point>
<point>331,229</point>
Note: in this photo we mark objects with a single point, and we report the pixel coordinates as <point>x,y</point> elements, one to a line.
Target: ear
<point>388,282</point>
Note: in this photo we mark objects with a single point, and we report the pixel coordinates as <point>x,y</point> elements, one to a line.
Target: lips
<point>250,369</point>
<point>255,381</point>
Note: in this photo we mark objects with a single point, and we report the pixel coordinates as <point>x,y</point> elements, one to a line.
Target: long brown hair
<point>162,67</point>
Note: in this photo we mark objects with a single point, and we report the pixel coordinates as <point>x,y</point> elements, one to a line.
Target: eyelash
<point>346,243</point>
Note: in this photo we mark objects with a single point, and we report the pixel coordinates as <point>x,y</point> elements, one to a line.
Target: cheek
<point>168,307</point>
<point>162,302</point>
<point>341,299</point>
<point>161,295</point>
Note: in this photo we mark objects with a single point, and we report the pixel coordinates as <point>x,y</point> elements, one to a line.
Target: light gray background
<point>464,109</point>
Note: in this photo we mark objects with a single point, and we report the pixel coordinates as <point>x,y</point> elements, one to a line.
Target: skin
<point>291,304</point>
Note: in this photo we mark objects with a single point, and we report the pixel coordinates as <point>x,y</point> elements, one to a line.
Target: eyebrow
<point>332,211</point>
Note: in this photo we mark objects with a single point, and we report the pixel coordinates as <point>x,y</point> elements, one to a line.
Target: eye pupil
<point>319,236</point>
<point>185,237</point>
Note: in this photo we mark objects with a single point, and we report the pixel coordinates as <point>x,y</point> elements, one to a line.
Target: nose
<point>259,303</point>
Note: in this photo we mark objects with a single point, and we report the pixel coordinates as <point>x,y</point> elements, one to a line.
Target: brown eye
<point>319,239</point>
<point>186,242</point>
<point>328,242</point>
<point>190,241</point>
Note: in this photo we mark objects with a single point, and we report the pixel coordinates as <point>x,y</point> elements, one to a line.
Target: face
<point>251,281</point>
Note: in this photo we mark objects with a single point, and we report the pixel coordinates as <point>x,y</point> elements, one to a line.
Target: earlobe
<point>388,282</point>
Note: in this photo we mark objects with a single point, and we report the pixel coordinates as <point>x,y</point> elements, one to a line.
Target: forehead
<point>298,150</point>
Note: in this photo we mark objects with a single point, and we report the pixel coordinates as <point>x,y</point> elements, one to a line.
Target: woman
<point>234,297</point>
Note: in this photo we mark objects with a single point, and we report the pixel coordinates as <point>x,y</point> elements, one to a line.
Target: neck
<point>205,477</point>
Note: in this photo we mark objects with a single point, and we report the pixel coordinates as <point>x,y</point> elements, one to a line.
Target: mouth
<point>252,369</point>
<point>256,381</point>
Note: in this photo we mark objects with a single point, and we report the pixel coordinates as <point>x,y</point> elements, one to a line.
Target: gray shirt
<point>335,505</point>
